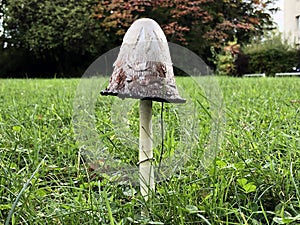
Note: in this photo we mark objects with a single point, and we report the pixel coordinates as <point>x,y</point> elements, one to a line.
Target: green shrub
<point>225,63</point>
<point>270,56</point>
<point>21,63</point>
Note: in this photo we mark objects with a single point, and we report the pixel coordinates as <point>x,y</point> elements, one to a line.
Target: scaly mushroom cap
<point>143,69</point>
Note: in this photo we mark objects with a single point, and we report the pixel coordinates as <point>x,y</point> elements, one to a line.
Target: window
<point>298,22</point>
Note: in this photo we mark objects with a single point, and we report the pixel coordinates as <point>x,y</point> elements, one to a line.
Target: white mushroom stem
<point>146,168</point>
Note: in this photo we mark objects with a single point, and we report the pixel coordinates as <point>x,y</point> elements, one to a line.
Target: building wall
<point>292,21</point>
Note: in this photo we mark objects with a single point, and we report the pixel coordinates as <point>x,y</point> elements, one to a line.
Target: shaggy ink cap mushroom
<point>143,69</point>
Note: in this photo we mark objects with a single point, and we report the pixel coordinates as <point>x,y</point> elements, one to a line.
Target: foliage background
<point>43,38</point>
<point>271,56</point>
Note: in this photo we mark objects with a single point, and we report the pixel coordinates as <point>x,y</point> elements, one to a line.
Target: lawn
<point>60,164</point>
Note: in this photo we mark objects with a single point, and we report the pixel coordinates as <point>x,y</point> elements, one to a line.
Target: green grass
<point>45,177</point>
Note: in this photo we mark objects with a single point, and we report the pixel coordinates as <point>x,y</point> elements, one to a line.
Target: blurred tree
<point>176,17</point>
<point>45,25</point>
<point>65,32</point>
<point>205,21</point>
<point>61,31</point>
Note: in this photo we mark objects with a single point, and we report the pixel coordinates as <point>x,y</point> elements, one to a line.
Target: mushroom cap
<point>143,69</point>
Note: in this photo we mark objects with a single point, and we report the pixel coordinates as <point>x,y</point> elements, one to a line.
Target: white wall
<point>292,21</point>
